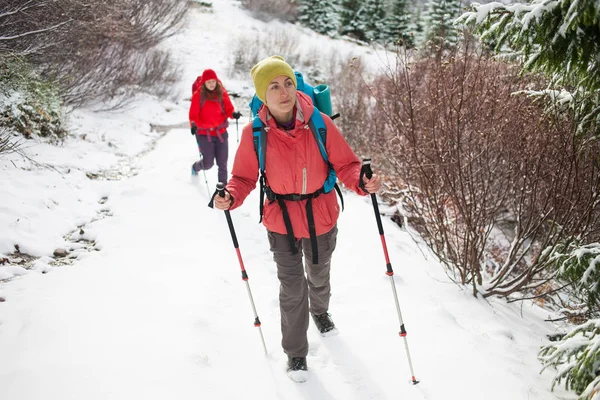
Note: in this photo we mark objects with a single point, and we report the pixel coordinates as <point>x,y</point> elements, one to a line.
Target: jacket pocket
<point>327,208</point>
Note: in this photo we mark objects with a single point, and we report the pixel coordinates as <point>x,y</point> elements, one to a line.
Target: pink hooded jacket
<point>294,165</point>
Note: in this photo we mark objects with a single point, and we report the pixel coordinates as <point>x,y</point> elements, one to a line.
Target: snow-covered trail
<point>161,311</point>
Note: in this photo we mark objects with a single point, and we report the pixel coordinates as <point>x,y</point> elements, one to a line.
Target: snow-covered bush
<point>577,359</point>
<point>28,103</point>
<point>277,39</point>
<point>8,142</point>
<point>473,162</point>
<point>97,50</point>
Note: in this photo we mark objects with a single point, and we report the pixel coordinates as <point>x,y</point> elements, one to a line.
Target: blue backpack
<point>321,99</point>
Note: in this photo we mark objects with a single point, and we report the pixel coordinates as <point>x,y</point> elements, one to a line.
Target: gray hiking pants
<point>300,293</point>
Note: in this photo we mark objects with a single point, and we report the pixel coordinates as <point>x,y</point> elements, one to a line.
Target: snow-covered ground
<point>160,310</point>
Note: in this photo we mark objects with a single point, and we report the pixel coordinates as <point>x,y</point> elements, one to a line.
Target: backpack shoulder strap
<point>259,136</point>
<point>317,127</point>
<point>255,105</point>
<point>319,130</point>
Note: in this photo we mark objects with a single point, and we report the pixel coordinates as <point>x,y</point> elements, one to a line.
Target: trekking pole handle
<point>366,167</point>
<point>221,193</point>
<point>221,189</point>
<point>368,172</point>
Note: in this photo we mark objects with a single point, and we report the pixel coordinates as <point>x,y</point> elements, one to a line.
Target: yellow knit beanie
<point>267,69</point>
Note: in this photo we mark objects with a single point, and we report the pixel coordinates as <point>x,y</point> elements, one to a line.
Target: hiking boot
<point>297,364</point>
<point>194,172</point>
<point>324,324</point>
<point>297,370</point>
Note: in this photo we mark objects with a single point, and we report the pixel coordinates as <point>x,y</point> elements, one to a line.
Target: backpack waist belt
<point>218,130</point>
<point>281,198</point>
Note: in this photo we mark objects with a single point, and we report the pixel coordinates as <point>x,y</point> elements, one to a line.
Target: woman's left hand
<point>372,185</point>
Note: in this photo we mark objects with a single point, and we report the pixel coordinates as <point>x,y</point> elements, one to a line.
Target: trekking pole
<point>237,130</point>
<point>221,192</point>
<point>366,170</point>
<point>206,181</point>
<point>204,172</point>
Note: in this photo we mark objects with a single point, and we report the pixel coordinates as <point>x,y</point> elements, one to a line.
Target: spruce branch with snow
<point>558,38</point>
<point>580,265</point>
<point>577,357</point>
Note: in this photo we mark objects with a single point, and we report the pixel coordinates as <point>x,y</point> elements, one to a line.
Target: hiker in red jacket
<point>209,113</point>
<point>295,171</point>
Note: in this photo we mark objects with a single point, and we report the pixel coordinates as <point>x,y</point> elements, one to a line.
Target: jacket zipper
<point>303,180</point>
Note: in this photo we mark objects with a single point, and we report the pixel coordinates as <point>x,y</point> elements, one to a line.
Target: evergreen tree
<point>416,24</point>
<point>396,25</point>
<point>438,20</point>
<point>349,23</point>
<point>372,15</point>
<point>325,18</point>
<point>305,11</point>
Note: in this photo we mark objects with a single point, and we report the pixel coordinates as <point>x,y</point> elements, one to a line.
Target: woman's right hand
<point>223,203</point>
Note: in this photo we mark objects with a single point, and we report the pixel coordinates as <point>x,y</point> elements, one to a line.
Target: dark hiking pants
<point>213,149</point>
<point>300,293</point>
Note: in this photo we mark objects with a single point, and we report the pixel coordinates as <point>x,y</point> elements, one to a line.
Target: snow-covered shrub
<point>471,162</point>
<point>28,103</point>
<point>96,51</point>
<point>577,360</point>
<point>246,50</point>
<point>8,142</point>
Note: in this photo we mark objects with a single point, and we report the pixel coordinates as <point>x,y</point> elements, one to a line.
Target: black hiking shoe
<point>324,324</point>
<point>297,370</point>
<point>297,364</point>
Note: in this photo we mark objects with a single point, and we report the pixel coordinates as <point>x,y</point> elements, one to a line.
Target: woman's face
<point>211,84</point>
<point>281,96</point>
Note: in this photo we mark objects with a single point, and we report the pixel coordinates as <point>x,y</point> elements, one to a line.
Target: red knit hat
<point>208,74</point>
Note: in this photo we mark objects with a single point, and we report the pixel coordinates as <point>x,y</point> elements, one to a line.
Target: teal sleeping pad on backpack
<point>322,99</point>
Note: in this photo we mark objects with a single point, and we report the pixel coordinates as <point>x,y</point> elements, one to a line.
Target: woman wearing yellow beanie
<point>295,172</point>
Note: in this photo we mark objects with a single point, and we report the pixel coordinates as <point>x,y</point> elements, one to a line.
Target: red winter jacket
<point>294,165</point>
<point>212,116</point>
